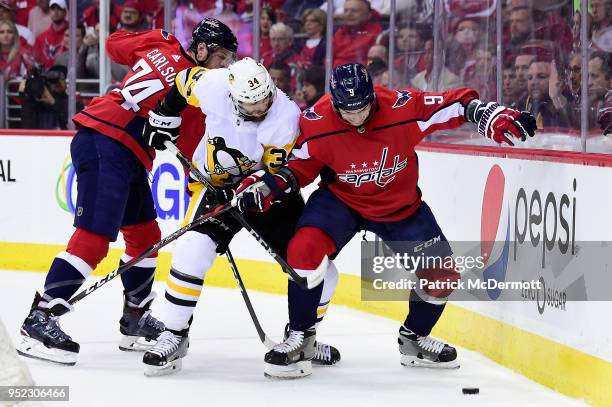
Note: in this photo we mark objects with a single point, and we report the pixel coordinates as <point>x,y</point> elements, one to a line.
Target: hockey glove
<point>161,128</point>
<point>260,190</point>
<point>220,196</point>
<point>499,123</point>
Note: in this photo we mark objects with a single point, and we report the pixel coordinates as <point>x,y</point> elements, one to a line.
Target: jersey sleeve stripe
<point>443,115</point>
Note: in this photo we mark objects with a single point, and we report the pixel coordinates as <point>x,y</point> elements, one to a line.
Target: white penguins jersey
<point>232,147</point>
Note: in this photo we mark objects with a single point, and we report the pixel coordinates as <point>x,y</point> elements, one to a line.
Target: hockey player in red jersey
<point>111,160</point>
<point>361,140</point>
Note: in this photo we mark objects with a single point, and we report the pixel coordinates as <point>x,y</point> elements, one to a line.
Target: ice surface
<point>224,366</point>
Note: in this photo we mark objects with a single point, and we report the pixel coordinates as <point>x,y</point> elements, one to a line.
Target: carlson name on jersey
<point>156,57</point>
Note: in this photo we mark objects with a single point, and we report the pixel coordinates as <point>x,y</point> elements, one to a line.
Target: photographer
<point>45,99</point>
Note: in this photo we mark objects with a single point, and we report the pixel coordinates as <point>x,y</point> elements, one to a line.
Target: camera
<point>37,80</point>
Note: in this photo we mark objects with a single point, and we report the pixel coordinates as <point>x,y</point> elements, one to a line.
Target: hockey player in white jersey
<point>250,127</point>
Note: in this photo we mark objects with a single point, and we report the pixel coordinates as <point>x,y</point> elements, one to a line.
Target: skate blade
<point>136,344</point>
<point>318,364</point>
<point>294,371</point>
<point>169,368</point>
<point>34,349</point>
<point>412,361</point>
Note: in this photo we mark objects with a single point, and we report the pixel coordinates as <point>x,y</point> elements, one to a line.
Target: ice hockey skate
<point>138,327</point>
<point>325,355</point>
<point>292,358</point>
<point>165,357</point>
<point>425,351</point>
<point>42,336</point>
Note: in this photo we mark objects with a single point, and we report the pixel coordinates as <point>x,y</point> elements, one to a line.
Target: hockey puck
<point>470,390</point>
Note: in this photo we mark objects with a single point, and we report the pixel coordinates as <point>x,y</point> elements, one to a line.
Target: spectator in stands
<point>155,17</point>
<point>510,88</point>
<point>131,16</point>
<point>461,55</point>
<point>353,40</point>
<point>574,72</point>
<point>521,65</point>
<point>601,11</point>
<point>538,99</point>
<point>280,73</point>
<point>45,103</point>
<point>378,51</point>
<point>266,21</point>
<point>520,32</point>
<point>281,39</point>
<point>22,10</point>
<point>15,62</point>
<point>93,58</point>
<point>39,18</point>
<point>377,68</point>
<point>91,15</point>
<point>293,10</point>
<point>7,12</point>
<point>81,55</point>
<point>576,21</point>
<point>599,79</point>
<point>313,86</point>
<point>482,75</point>
<point>49,44</point>
<point>424,80</point>
<point>313,51</point>
<point>410,58</point>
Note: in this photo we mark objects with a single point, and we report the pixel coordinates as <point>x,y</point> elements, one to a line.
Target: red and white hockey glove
<point>260,190</point>
<point>499,123</point>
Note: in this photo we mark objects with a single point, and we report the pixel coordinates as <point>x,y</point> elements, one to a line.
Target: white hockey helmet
<point>249,84</point>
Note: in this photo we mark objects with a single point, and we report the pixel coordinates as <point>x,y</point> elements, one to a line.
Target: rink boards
<point>567,348</point>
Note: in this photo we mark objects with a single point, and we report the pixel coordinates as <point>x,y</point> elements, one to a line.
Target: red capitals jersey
<point>156,57</point>
<point>374,169</point>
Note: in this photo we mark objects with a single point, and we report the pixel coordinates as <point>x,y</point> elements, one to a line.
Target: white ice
<point>224,366</point>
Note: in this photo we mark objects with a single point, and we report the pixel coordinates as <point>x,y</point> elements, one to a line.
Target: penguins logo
<point>403,96</point>
<point>225,159</point>
<point>310,114</point>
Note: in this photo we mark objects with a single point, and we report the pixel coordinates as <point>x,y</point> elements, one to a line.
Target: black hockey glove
<point>161,128</point>
<point>220,196</point>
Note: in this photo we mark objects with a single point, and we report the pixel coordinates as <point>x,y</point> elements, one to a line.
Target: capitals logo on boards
<point>375,171</point>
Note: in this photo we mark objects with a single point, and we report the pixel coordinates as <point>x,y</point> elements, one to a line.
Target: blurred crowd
<point>541,47</point>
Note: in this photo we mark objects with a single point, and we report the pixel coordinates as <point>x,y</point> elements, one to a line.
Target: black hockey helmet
<point>214,34</point>
<point>351,87</point>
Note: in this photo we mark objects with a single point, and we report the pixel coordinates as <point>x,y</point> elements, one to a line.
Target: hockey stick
<point>268,343</point>
<point>165,241</point>
<point>311,281</point>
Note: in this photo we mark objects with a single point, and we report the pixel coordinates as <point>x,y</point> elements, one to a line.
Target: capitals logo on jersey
<point>403,96</point>
<point>361,173</point>
<point>310,114</point>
